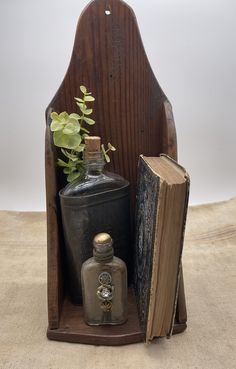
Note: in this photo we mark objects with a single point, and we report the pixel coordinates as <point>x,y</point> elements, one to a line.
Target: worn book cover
<point>161,208</point>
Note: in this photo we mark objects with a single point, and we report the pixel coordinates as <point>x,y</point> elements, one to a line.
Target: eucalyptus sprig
<point>105,152</point>
<point>69,133</point>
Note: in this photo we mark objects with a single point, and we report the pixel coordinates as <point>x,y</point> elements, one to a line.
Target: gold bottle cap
<point>102,247</point>
<point>92,143</point>
<point>102,238</point>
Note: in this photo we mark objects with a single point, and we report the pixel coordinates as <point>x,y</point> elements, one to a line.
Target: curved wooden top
<point>131,110</point>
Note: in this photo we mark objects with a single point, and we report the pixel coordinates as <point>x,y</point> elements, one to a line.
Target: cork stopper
<point>92,144</point>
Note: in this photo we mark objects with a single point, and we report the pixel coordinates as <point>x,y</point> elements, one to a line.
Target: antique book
<point>161,209</point>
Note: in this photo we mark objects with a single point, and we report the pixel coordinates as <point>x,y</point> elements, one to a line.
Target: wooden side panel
<point>169,139</point>
<point>53,237</point>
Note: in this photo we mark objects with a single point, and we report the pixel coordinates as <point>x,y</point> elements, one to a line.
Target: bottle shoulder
<point>119,262</point>
<point>92,264</point>
<point>89,263</point>
<point>90,184</point>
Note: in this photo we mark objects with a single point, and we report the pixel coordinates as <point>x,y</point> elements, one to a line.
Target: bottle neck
<point>103,256</point>
<point>93,163</point>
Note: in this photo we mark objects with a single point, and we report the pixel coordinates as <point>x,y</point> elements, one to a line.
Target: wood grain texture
<point>108,57</point>
<point>169,143</point>
<point>131,112</point>
<point>53,269</point>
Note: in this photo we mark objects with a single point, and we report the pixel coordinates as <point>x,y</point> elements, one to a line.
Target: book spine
<point>147,197</point>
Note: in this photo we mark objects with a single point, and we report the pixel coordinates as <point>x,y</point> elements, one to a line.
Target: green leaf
<point>87,111</point>
<point>72,176</point>
<point>89,98</point>
<point>63,116</point>
<point>74,160</point>
<point>112,148</point>
<point>74,116</point>
<point>67,170</point>
<point>72,120</point>
<point>56,126</point>
<point>84,129</point>
<point>66,141</point>
<point>67,154</point>
<point>105,154</point>
<point>85,135</point>
<point>79,99</point>
<point>103,149</point>
<point>107,158</point>
<point>73,157</point>
<point>79,161</point>
<point>80,148</point>
<point>54,116</point>
<point>89,121</point>
<point>62,163</point>
<point>83,89</point>
<point>71,128</point>
<point>82,107</point>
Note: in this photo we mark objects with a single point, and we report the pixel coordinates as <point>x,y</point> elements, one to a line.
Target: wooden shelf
<point>72,327</point>
<point>133,113</point>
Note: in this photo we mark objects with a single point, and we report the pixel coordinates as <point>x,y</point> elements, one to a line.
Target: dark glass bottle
<point>97,203</point>
<point>104,285</point>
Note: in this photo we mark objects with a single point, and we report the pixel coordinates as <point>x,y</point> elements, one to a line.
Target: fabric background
<point>209,274</point>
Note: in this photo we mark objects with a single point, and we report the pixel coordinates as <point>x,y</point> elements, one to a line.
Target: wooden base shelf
<point>72,327</point>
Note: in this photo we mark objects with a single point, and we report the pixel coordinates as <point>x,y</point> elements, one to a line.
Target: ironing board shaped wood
<point>134,114</point>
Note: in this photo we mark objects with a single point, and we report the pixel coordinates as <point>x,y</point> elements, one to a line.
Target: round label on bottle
<point>105,278</point>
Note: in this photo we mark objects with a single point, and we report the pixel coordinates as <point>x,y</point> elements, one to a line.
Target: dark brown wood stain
<point>132,113</point>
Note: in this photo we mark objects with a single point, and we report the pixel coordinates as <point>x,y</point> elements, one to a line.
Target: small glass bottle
<point>98,202</point>
<point>104,285</point>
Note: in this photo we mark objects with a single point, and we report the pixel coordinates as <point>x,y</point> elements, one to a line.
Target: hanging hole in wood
<point>107,12</point>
